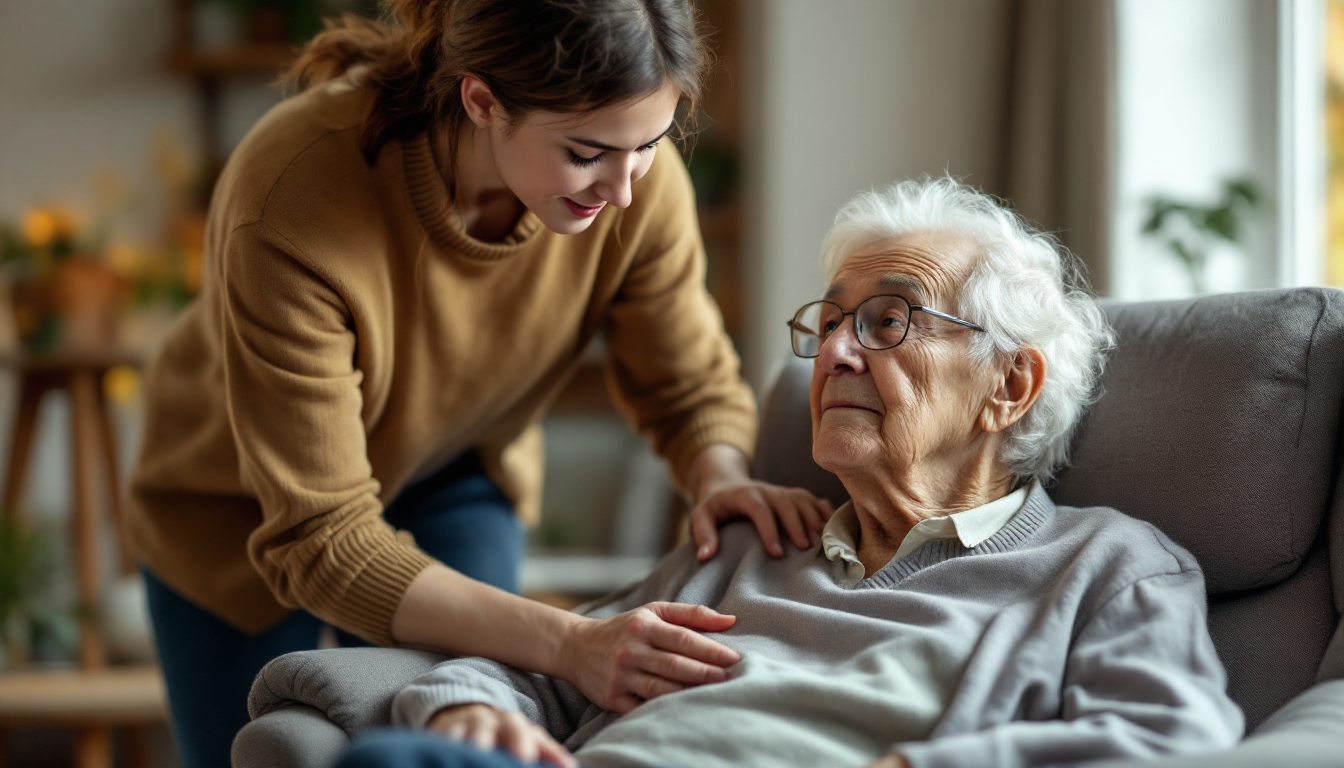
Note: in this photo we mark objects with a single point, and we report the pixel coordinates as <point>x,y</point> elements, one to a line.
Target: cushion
<point>1272,640</point>
<point>784,445</point>
<point>1218,424</point>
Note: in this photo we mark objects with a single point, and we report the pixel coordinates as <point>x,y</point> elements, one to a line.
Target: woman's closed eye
<point>583,162</point>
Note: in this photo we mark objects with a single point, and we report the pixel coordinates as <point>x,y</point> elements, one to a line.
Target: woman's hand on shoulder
<point>724,491</point>
<point>487,729</point>
<point>651,651</point>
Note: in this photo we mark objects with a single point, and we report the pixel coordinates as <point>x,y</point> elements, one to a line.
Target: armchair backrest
<point>1220,422</point>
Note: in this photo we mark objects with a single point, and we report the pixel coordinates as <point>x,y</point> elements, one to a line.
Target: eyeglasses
<point>880,322</point>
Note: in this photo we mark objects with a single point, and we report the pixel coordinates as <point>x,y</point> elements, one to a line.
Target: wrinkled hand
<point>768,506</point>
<point>646,653</point>
<point>487,728</point>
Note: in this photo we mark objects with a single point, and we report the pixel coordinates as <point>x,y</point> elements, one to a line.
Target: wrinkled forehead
<point>926,267</point>
<point>893,281</point>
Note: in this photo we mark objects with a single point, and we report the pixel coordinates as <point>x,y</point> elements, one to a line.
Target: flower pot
<point>75,308</point>
<point>14,648</point>
<point>35,322</point>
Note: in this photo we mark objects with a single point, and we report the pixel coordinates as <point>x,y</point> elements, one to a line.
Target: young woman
<point>404,262</point>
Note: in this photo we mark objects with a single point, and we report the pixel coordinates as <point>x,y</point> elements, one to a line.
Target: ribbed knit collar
<point>429,199</point>
<point>840,537</point>
<point>1038,508</point>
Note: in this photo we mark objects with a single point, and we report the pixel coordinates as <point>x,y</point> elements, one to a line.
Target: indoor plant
<point>1189,229</point>
<point>27,569</point>
<point>63,296</point>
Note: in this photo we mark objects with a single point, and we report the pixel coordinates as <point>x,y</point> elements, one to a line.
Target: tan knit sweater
<point>349,336</point>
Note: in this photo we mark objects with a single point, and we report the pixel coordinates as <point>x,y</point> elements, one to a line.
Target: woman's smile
<point>582,211</point>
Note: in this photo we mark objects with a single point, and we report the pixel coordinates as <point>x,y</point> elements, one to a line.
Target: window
<point>1334,143</point>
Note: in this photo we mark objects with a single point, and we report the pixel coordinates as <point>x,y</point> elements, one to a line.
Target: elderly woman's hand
<point>487,728</point>
<point>723,489</point>
<point>642,654</point>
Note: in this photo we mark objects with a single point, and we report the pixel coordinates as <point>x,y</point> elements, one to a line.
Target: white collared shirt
<point>840,537</point>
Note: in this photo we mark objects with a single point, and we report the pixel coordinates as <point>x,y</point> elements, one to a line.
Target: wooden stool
<point>91,703</point>
<point>93,699</point>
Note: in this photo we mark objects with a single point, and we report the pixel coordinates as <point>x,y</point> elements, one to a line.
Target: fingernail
<point>703,552</point>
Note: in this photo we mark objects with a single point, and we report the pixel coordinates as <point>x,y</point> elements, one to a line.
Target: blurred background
<point>1178,147</point>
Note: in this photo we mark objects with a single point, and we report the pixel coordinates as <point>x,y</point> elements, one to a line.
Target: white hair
<point>1026,290</point>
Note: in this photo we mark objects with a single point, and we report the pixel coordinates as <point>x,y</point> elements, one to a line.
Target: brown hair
<point>553,55</point>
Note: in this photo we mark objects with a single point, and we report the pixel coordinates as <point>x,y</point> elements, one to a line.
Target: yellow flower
<point>124,259</point>
<point>46,226</point>
<point>39,226</point>
<point>121,384</point>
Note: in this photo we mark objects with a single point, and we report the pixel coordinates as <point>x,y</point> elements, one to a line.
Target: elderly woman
<point>952,614</point>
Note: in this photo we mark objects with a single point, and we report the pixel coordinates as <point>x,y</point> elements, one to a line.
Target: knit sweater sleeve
<point>672,366</point>
<point>1141,679</point>
<point>295,407</point>
<point>552,703</point>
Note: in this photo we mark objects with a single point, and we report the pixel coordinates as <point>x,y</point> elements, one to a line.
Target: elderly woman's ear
<point>1017,385</point>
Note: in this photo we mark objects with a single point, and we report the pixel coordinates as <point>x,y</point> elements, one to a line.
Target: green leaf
<point>1244,190</point>
<point>1191,257</point>
<point>1222,222</point>
<point>1159,210</point>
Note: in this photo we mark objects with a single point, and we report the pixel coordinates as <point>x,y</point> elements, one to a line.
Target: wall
<point>82,86</point>
<point>1196,106</point>
<point>846,96</point>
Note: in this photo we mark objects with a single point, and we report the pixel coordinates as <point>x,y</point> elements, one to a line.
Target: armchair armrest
<point>306,706</point>
<point>1305,733</point>
<point>296,736</point>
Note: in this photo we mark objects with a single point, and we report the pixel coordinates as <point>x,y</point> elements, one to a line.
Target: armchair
<point>1220,423</point>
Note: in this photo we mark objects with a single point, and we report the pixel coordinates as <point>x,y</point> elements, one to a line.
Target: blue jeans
<point>457,515</point>
<point>401,748</point>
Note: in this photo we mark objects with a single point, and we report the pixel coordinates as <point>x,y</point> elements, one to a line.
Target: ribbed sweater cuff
<point>725,425</point>
<point>417,703</point>
<point>367,602</point>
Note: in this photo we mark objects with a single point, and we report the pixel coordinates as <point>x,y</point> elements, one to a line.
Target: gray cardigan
<point>1071,634</point>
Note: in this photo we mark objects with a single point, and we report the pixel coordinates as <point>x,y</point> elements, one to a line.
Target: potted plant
<point>63,296</point>
<point>1190,229</point>
<point>27,568</point>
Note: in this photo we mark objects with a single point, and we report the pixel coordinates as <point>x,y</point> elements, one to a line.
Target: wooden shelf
<point>236,60</point>
<point>22,360</point>
<point>69,698</point>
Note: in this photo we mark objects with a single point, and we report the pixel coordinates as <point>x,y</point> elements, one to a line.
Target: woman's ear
<point>479,101</point>
<point>1019,384</point>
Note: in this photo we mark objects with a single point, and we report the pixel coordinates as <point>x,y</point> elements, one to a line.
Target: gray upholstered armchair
<point>1220,423</point>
